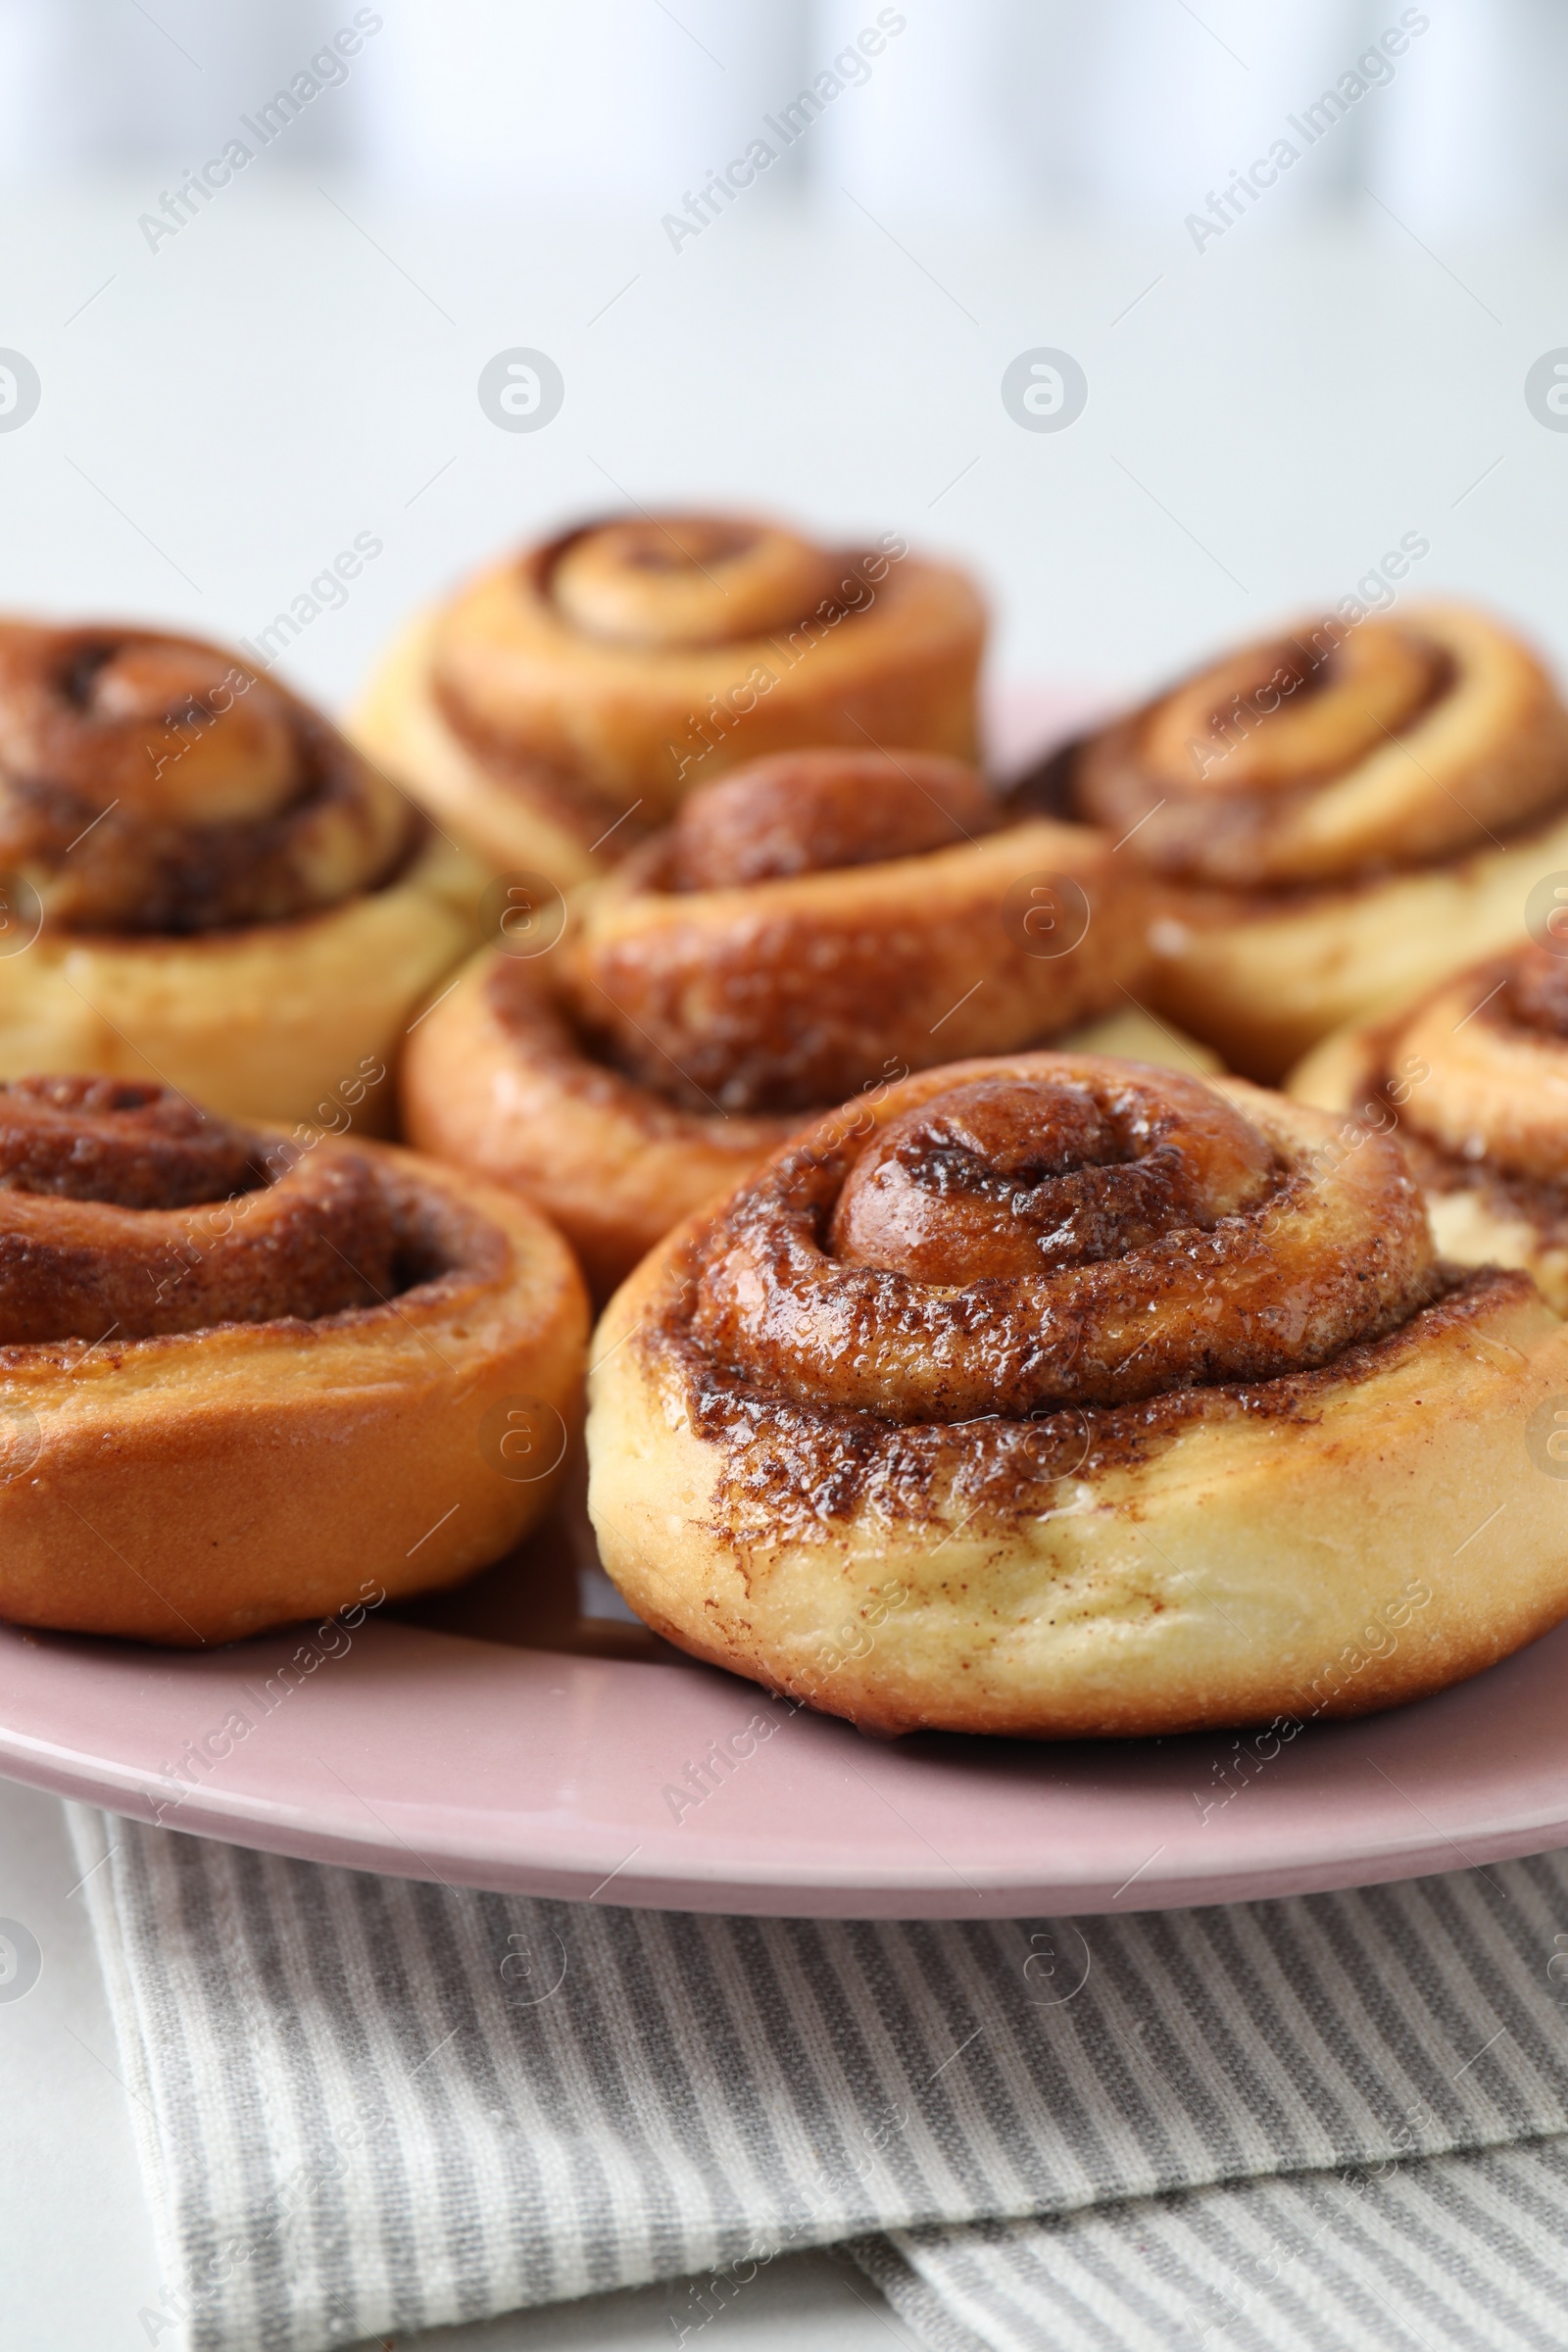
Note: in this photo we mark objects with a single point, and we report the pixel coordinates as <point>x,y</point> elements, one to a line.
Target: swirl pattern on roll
<point>126,1214</point>
<point>820,813</point>
<point>1056,1396</point>
<point>1057,1230</point>
<point>1491,1053</point>
<point>1474,1081</point>
<point>241,1371</point>
<point>154,784</point>
<point>1334,754</point>
<point>635,658</point>
<point>822,917</point>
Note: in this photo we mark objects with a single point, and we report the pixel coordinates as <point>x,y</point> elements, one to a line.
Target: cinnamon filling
<point>670,581</point>
<point>1004,1178</point>
<point>126,1214</point>
<point>614,618</point>
<point>789,1470</point>
<point>1476,1081</point>
<point>1513,1198</point>
<point>121,1142</point>
<point>1329,759</point>
<point>1071,1232</point>
<point>1535,996</point>
<point>153,784</point>
<point>1274,715</point>
<point>1217,772</point>
<point>698,1014</point>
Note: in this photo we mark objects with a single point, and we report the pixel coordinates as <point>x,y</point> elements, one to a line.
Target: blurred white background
<point>1118,113</point>
<point>245,358</point>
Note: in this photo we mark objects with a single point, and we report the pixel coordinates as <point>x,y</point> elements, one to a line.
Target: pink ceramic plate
<point>631,1775</point>
<point>522,1733</point>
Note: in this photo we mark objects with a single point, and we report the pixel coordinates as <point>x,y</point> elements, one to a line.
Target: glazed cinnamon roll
<point>1060,1396</point>
<point>816,923</point>
<point>1474,1081</point>
<point>202,884</point>
<point>238,1377</point>
<point>1339,815</point>
<point>561,706</point>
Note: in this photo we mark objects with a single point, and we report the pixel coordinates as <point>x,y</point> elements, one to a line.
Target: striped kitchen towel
<point>372,2106</point>
<point>1459,2253</point>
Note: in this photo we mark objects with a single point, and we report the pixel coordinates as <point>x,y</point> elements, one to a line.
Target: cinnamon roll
<point>1340,816</point>
<point>1060,1396</point>
<point>816,923</point>
<point>1474,1081</point>
<point>202,884</point>
<point>563,704</point>
<point>239,1375</point>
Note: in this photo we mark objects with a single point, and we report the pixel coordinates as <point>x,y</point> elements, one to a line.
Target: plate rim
<point>762,1883</point>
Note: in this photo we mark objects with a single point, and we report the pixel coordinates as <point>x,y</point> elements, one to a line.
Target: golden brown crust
<point>298,1382</point>
<point>1340,816</point>
<point>821,1457</point>
<point>496,1078</point>
<point>595,680</point>
<point>1161,1232</point>
<point>818,812</point>
<point>1474,1079</point>
<point>1399,743</point>
<point>155,784</point>
<point>293,1021</point>
<point>683,1025</point>
<point>202,884</point>
<point>789,991</point>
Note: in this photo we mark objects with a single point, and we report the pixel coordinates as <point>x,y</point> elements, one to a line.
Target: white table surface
<point>220,417</point>
<point>76,2252</point>
<point>1265,418</point>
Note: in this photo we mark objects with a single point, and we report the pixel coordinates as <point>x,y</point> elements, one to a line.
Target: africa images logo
<point>19,390</point>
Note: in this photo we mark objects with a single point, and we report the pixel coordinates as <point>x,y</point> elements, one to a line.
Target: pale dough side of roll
<point>1246,1568</point>
<point>282,1022</point>
<point>396,724</point>
<point>1134,1035</point>
<point>1263,983</point>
